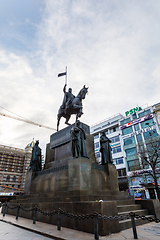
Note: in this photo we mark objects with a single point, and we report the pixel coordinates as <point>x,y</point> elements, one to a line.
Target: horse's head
<point>83,92</point>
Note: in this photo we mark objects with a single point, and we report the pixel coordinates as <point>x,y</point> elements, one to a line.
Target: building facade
<point>111,128</point>
<point>14,163</point>
<point>130,131</point>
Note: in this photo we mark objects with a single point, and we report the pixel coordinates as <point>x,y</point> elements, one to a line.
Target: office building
<point>14,164</point>
<point>127,133</point>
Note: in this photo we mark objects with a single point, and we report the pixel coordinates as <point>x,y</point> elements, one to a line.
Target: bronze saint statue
<point>68,98</point>
<point>78,136</point>
<point>36,159</point>
<point>105,149</point>
<point>71,105</point>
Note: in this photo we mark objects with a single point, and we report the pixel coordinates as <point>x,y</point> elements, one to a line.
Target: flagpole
<point>66,75</point>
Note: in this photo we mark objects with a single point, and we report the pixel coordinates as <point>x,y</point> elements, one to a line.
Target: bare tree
<point>150,155</point>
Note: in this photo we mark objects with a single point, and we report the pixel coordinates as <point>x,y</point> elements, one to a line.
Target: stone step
<point>141,212</point>
<point>130,208</point>
<point>125,202</point>
<point>125,224</point>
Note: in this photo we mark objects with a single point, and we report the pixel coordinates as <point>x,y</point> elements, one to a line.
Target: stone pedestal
<point>73,184</point>
<point>29,177</point>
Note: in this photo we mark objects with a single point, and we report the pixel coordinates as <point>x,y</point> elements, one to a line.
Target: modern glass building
<point>127,134</point>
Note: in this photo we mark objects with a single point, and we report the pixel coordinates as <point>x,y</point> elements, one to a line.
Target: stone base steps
<point>125,224</point>
<point>127,206</point>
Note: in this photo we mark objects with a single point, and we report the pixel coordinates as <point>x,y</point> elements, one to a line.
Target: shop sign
<point>5,194</point>
<point>142,119</point>
<point>137,187</point>
<point>139,132</point>
<point>133,110</point>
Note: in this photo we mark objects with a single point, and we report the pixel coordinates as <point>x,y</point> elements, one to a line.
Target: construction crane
<point>26,121</point>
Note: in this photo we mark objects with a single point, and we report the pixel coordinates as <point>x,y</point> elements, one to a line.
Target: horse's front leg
<point>67,119</point>
<point>58,120</point>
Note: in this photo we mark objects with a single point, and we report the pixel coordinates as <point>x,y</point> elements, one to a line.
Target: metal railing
<point>94,216</point>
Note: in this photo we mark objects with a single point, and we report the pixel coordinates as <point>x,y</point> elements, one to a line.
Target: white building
<point>111,127</point>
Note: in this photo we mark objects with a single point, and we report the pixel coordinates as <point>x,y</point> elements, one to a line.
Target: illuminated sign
<point>142,119</point>
<point>6,194</point>
<point>133,110</point>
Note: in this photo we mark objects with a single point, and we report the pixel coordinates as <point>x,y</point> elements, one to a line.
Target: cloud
<point>111,47</point>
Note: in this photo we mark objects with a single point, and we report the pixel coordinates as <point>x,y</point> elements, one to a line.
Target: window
<point>14,178</point>
<point>117,161</point>
<point>96,136</point>
<point>150,123</point>
<point>96,145</point>
<point>125,121</point>
<point>106,132</point>
<point>97,154</point>
<point>113,130</point>
<point>105,125</point>
<point>133,165</point>
<point>136,127</point>
<point>8,178</point>
<point>121,172</point>
<point>134,115</point>
<point>152,133</point>
<point>115,139</point>
<point>114,122</point>
<point>145,164</point>
<point>116,149</point>
<point>97,129</point>
<point>129,140</point>
<point>139,138</point>
<point>144,113</point>
<point>127,130</point>
<point>130,152</point>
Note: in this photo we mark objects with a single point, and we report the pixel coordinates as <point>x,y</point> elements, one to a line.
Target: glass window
<point>14,178</point>
<point>145,125</point>
<point>97,129</point>
<point>96,136</point>
<point>106,132</point>
<point>134,115</point>
<point>127,130</point>
<point>133,165</point>
<point>97,154</point>
<point>96,145</point>
<point>113,130</point>
<point>139,138</point>
<point>144,113</point>
<point>129,140</point>
<point>125,121</point>
<point>121,172</point>
<point>130,152</point>
<point>117,161</point>
<point>136,127</point>
<point>8,178</point>
<point>149,134</point>
<point>115,139</point>
<point>145,164</point>
<point>116,149</point>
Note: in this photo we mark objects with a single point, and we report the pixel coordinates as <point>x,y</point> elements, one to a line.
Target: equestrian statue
<point>71,105</point>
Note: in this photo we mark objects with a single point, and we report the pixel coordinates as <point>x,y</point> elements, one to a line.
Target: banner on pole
<point>61,74</point>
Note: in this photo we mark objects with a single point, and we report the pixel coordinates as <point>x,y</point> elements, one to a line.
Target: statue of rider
<point>68,98</point>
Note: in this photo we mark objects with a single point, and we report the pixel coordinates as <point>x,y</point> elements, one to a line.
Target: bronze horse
<point>75,108</point>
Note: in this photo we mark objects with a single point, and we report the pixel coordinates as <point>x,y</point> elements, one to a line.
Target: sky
<point>112,47</point>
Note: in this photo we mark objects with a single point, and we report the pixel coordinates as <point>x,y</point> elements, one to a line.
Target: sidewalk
<point>146,232</point>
